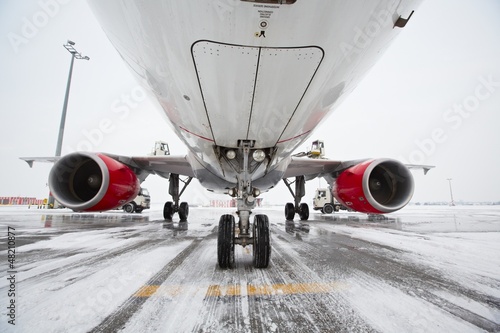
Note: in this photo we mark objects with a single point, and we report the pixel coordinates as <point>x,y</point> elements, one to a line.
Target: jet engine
<point>375,186</point>
<point>92,182</point>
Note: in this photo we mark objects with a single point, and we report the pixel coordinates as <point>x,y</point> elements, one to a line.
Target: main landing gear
<point>245,195</point>
<point>170,207</point>
<point>300,208</point>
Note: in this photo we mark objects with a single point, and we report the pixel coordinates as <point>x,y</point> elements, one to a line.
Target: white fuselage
<point>231,70</point>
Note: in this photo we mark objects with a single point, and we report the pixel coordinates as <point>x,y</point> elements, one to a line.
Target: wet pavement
<point>422,269</point>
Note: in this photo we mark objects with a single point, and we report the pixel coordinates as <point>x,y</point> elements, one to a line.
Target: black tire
<point>129,208</point>
<point>304,211</point>
<point>261,242</point>
<point>139,210</point>
<point>225,241</point>
<point>289,211</point>
<point>183,211</point>
<point>168,210</point>
<point>328,209</point>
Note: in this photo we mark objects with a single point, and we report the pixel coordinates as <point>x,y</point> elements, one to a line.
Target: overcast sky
<point>434,98</point>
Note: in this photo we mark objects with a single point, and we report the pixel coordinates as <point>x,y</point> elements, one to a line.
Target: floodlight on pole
<point>452,203</point>
<point>74,55</point>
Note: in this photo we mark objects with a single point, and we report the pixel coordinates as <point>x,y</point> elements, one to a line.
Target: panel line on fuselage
<point>202,96</point>
<point>301,98</point>
<point>227,118</point>
<point>253,94</point>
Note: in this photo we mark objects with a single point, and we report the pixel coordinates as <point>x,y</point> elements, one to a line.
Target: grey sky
<point>434,98</point>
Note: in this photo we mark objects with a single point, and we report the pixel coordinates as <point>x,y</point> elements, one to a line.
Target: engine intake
<point>375,186</point>
<point>92,182</point>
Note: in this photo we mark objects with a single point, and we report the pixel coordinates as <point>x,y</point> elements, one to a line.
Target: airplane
<point>243,83</point>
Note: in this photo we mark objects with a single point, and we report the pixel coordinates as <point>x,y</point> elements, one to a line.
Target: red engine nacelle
<point>92,182</point>
<point>375,186</point>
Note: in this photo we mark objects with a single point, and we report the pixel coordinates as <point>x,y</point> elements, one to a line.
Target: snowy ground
<point>424,269</point>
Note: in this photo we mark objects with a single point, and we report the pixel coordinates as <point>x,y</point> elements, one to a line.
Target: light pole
<point>74,54</point>
<point>452,203</point>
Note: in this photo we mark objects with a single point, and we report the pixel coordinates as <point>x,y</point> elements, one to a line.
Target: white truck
<point>141,201</point>
<point>324,200</point>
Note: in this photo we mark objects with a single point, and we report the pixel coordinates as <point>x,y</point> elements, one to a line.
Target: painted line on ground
<point>248,290</point>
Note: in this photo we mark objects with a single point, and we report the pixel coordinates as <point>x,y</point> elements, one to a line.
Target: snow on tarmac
<point>388,309</point>
<point>54,292</point>
<point>65,304</point>
<point>472,257</point>
<point>466,250</point>
<point>80,270</point>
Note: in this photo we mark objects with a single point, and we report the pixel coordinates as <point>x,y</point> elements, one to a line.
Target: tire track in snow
<point>290,298</point>
<point>118,319</point>
<point>99,258</point>
<point>387,264</point>
<point>301,261</point>
<point>224,305</point>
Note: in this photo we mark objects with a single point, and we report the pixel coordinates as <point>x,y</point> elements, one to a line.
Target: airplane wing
<point>162,166</point>
<point>31,160</point>
<point>375,186</point>
<point>311,168</point>
<point>85,181</point>
<point>426,168</point>
<point>143,166</point>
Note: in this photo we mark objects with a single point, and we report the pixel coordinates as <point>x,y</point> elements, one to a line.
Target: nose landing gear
<point>245,200</point>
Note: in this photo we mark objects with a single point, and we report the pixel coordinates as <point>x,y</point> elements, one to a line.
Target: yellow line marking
<point>237,290</point>
<point>146,291</point>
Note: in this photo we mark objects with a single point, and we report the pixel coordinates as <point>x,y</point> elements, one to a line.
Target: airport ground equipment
<point>324,200</point>
<point>139,203</point>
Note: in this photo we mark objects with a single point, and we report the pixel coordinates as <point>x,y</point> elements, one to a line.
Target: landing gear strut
<point>170,207</point>
<point>245,195</point>
<point>300,208</point>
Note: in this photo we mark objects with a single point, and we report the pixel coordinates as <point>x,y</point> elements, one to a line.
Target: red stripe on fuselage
<point>199,136</point>
<point>295,137</point>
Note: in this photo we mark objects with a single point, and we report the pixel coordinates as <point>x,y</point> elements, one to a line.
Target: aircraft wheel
<point>261,241</point>
<point>183,211</point>
<point>168,210</point>
<point>304,212</point>
<point>225,241</point>
<point>289,211</point>
<point>139,210</point>
<point>328,209</point>
<point>129,208</point>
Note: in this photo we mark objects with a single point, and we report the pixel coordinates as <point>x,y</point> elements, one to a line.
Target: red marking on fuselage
<point>295,137</point>
<point>199,136</point>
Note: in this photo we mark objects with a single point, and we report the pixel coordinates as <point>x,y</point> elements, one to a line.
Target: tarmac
<point>423,269</point>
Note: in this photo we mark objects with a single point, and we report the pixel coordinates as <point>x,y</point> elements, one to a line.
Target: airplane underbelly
<point>246,90</point>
